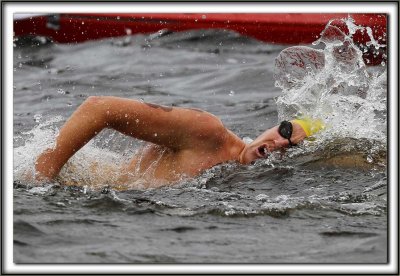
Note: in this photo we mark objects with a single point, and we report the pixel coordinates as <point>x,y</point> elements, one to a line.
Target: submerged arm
<point>176,128</point>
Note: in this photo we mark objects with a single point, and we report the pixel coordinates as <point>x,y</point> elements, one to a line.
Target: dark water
<point>300,208</point>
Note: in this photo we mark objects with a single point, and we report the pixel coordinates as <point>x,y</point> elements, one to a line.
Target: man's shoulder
<point>206,129</point>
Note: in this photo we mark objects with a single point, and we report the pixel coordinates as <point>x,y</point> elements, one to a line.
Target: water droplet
<point>126,115</point>
<point>118,18</point>
<point>37,117</point>
<point>247,140</point>
<point>231,93</point>
<point>383,63</point>
<point>137,120</point>
<point>370,159</point>
<point>155,134</point>
<point>262,197</point>
<point>83,23</point>
<point>203,16</point>
<point>60,91</point>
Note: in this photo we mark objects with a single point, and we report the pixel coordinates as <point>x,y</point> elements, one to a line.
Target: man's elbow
<point>97,108</point>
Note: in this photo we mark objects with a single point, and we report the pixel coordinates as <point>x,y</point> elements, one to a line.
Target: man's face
<point>266,143</point>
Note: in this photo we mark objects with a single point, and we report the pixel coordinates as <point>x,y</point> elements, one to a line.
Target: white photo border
<point>9,8</point>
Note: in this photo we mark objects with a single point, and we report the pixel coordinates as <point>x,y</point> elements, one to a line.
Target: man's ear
<point>281,143</point>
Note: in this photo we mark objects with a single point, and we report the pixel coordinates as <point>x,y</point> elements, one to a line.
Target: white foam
<point>344,93</point>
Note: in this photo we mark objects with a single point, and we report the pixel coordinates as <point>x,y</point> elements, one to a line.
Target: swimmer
<point>184,141</point>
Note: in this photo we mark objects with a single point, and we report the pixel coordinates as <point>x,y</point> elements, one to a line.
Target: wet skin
<point>184,142</point>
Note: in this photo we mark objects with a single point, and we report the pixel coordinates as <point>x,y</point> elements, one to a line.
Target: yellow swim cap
<point>309,125</point>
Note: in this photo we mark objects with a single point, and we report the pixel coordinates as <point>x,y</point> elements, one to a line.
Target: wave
<point>219,196</point>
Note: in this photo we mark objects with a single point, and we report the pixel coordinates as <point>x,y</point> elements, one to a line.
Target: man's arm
<point>176,128</point>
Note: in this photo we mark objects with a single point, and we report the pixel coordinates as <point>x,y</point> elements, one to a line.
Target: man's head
<point>273,139</point>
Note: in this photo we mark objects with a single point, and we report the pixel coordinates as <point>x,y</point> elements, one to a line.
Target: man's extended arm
<point>176,128</point>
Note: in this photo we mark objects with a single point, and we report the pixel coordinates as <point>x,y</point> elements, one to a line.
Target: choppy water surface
<point>322,202</point>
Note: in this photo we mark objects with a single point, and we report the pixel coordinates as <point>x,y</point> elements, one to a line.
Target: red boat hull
<point>291,29</point>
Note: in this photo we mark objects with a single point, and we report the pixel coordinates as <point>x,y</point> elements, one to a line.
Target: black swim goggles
<point>286,130</point>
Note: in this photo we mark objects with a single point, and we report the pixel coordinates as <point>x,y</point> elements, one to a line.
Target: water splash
<point>42,136</point>
<point>91,166</point>
<point>333,84</point>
